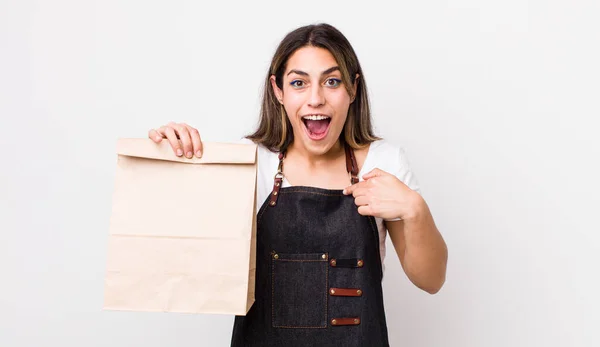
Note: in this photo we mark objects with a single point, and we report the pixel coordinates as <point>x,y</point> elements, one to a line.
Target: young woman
<point>330,191</point>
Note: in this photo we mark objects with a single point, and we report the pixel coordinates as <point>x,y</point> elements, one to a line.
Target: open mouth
<point>316,125</point>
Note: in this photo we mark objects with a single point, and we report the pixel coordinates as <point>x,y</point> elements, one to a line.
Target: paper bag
<point>182,231</point>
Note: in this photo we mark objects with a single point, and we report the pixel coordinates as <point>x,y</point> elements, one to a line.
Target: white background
<point>496,103</point>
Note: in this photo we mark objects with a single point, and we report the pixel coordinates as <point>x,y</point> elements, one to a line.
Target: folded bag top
<point>213,152</point>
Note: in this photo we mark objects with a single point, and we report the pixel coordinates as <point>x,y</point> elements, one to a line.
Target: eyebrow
<point>328,71</point>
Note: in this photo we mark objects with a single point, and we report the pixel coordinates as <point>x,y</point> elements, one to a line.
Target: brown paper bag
<point>182,231</point>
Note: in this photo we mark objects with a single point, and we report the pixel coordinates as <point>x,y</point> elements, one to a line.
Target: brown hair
<point>274,128</point>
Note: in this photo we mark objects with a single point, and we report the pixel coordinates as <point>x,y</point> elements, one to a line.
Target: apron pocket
<point>299,285</point>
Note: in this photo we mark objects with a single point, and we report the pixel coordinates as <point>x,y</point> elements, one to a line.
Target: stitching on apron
<point>272,289</point>
<point>326,292</point>
<point>307,191</point>
<point>299,260</point>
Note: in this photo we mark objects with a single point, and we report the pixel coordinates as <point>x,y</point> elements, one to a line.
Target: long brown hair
<point>274,128</point>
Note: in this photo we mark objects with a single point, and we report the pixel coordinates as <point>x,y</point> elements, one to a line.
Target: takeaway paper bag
<point>182,231</point>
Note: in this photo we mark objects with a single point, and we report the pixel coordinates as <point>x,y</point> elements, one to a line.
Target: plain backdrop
<point>495,102</point>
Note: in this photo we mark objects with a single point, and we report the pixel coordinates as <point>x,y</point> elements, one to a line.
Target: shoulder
<point>385,155</point>
<point>385,148</point>
<point>393,158</point>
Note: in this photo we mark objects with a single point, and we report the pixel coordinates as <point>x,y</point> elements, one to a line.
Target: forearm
<point>425,253</point>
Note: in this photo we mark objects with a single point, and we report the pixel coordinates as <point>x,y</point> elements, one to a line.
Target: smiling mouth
<point>316,125</point>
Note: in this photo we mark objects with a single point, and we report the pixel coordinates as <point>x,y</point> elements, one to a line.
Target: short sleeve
<point>404,171</point>
<point>401,168</point>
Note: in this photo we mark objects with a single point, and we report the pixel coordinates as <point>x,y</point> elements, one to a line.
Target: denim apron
<point>318,271</point>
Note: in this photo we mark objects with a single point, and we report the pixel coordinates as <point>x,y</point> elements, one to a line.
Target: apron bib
<point>319,272</point>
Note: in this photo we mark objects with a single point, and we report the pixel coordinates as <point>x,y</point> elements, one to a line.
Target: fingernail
<point>179,152</point>
<point>189,154</point>
<point>198,154</point>
<point>158,138</point>
<point>344,191</point>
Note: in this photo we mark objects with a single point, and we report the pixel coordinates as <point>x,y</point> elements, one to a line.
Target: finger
<point>172,137</point>
<point>350,189</point>
<point>365,210</point>
<point>186,140</point>
<point>373,173</point>
<point>155,135</point>
<point>362,191</point>
<point>362,201</point>
<point>196,140</point>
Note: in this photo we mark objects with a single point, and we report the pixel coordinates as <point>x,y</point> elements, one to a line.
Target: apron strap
<point>278,180</point>
<point>351,167</point>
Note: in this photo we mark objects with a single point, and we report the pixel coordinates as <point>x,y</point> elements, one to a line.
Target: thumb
<point>373,173</point>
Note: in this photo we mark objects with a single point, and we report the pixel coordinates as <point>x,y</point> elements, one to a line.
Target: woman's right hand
<point>183,138</point>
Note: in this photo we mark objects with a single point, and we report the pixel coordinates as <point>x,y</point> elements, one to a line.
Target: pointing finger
<point>350,189</point>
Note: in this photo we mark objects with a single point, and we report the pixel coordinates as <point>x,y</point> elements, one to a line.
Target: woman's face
<point>315,100</point>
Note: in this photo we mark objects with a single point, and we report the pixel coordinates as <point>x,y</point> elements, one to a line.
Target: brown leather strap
<point>351,167</point>
<point>345,292</point>
<point>345,321</point>
<point>278,181</point>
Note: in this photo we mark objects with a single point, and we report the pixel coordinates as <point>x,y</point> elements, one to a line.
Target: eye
<point>333,82</point>
<point>297,83</point>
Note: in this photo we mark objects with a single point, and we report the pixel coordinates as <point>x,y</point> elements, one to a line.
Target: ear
<point>354,88</point>
<point>278,92</point>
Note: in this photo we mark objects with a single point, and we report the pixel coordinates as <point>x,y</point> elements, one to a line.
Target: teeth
<point>315,117</point>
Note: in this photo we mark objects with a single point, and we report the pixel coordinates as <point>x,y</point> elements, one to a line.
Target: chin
<point>320,149</point>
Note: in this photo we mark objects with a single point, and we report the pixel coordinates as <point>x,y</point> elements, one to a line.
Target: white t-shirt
<point>382,154</point>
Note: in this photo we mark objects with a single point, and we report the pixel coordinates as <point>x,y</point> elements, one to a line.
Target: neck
<point>311,159</point>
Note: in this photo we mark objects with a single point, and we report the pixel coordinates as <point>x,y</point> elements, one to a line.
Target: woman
<point>321,230</point>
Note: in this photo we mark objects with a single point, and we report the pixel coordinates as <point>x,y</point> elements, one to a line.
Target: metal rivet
<point>359,292</point>
<point>274,193</point>
<point>332,291</point>
<point>276,256</point>
<point>333,262</point>
<point>356,321</point>
<point>333,321</point>
<point>324,256</point>
<point>272,203</point>
<point>277,184</point>
<point>360,263</point>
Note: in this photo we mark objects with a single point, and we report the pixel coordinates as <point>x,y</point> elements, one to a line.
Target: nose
<point>317,97</point>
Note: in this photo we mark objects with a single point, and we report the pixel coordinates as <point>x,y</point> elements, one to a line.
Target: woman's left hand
<point>383,195</point>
